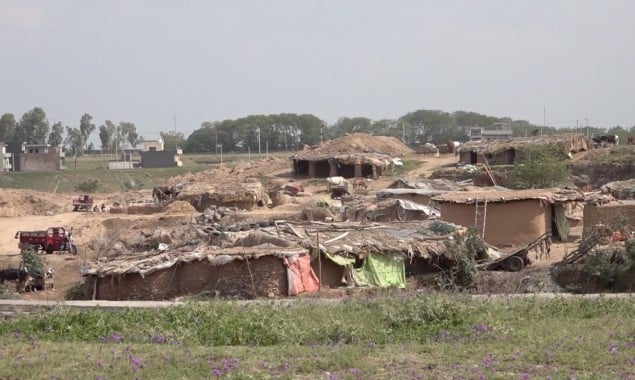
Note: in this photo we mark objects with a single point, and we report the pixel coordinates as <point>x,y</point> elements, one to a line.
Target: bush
<point>32,260</point>
<point>75,292</point>
<point>543,168</point>
<point>89,186</point>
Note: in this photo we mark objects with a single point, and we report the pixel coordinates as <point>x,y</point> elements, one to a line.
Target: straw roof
<point>145,263</point>
<point>350,239</point>
<point>501,196</point>
<point>569,142</point>
<point>377,159</point>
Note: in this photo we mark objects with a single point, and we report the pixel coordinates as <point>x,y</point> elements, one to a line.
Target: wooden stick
<point>319,261</point>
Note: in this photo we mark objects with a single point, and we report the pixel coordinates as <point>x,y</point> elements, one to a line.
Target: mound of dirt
<point>180,207</point>
<point>237,172</point>
<point>361,143</point>
<point>26,202</point>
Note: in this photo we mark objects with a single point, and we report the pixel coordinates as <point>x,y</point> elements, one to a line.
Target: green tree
<point>86,127</point>
<point>55,137</point>
<point>106,133</point>
<point>74,141</point>
<point>7,127</point>
<point>543,167</point>
<point>33,127</point>
<point>129,133</point>
<point>172,140</point>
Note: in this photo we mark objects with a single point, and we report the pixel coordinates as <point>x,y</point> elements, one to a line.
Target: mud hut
<point>620,214</point>
<point>381,255</point>
<point>420,196</point>
<point>512,151</point>
<point>246,196</point>
<point>241,272</point>
<point>352,155</point>
<point>370,165</point>
<point>511,217</point>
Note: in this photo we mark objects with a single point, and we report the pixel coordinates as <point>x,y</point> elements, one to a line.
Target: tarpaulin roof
<point>550,195</point>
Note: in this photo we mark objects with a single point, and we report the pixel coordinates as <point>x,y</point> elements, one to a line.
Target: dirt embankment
<point>598,174</point>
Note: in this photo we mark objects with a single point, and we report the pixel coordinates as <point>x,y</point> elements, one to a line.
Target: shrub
<point>543,167</point>
<point>75,292</point>
<point>32,260</point>
<point>89,186</point>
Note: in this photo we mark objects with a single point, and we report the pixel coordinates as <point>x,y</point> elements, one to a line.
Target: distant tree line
<point>279,132</point>
<point>34,128</point>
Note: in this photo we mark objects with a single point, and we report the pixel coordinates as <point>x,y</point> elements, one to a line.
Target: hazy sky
<point>147,61</point>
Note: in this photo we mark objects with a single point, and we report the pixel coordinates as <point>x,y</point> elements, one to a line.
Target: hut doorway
<point>322,169</point>
<point>346,171</point>
<point>510,156</point>
<point>473,157</point>
<point>559,223</point>
<point>367,171</point>
<point>301,168</point>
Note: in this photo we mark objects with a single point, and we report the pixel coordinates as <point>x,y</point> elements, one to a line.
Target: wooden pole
<point>317,238</point>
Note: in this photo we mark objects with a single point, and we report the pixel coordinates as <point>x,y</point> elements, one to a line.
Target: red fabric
<point>301,277</point>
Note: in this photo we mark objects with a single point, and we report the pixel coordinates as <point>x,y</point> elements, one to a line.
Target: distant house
<point>511,217</point>
<point>496,132</point>
<point>36,157</point>
<point>7,158</point>
<point>161,158</point>
<point>511,151</point>
<point>152,145</point>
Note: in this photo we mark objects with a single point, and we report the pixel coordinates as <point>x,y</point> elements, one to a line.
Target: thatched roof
<point>426,239</point>
<point>358,143</point>
<point>377,159</point>
<point>224,193</point>
<point>389,193</point>
<point>567,142</point>
<point>501,196</point>
<point>145,263</point>
<point>427,184</point>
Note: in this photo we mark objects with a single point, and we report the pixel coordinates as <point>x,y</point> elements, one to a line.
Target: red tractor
<point>49,241</point>
<point>83,203</point>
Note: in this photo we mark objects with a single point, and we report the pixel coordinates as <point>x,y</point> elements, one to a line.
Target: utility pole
<point>544,118</point>
<point>587,127</point>
<point>176,146</point>
<point>258,131</point>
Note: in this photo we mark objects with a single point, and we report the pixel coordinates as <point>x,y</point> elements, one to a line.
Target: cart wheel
<point>49,249</point>
<point>515,264</point>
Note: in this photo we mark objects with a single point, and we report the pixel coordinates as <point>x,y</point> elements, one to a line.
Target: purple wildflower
<point>332,376</point>
<point>488,362</point>
<point>17,334</point>
<point>116,338</point>
<point>613,348</point>
<point>524,376</point>
<point>159,339</point>
<point>216,372</point>
<point>135,362</point>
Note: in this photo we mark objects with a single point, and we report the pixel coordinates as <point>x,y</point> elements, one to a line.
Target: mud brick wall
<point>262,277</point>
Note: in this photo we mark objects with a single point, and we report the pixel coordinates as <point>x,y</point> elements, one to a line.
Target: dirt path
<point>429,163</point>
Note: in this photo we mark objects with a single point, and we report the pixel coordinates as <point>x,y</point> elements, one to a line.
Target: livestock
<point>13,274</point>
<point>607,139</point>
<point>359,183</point>
<point>338,193</point>
<point>338,181</point>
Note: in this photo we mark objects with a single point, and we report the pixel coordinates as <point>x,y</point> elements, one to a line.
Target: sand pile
<point>361,143</point>
<point>180,207</point>
<point>233,173</point>
<point>26,202</point>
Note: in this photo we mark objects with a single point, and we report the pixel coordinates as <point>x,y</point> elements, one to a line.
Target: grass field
<point>95,167</point>
<point>391,337</point>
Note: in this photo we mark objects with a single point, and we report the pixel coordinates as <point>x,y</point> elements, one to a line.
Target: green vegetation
<point>401,337</point>
<point>543,167</point>
<point>408,165</point>
<point>31,259</point>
